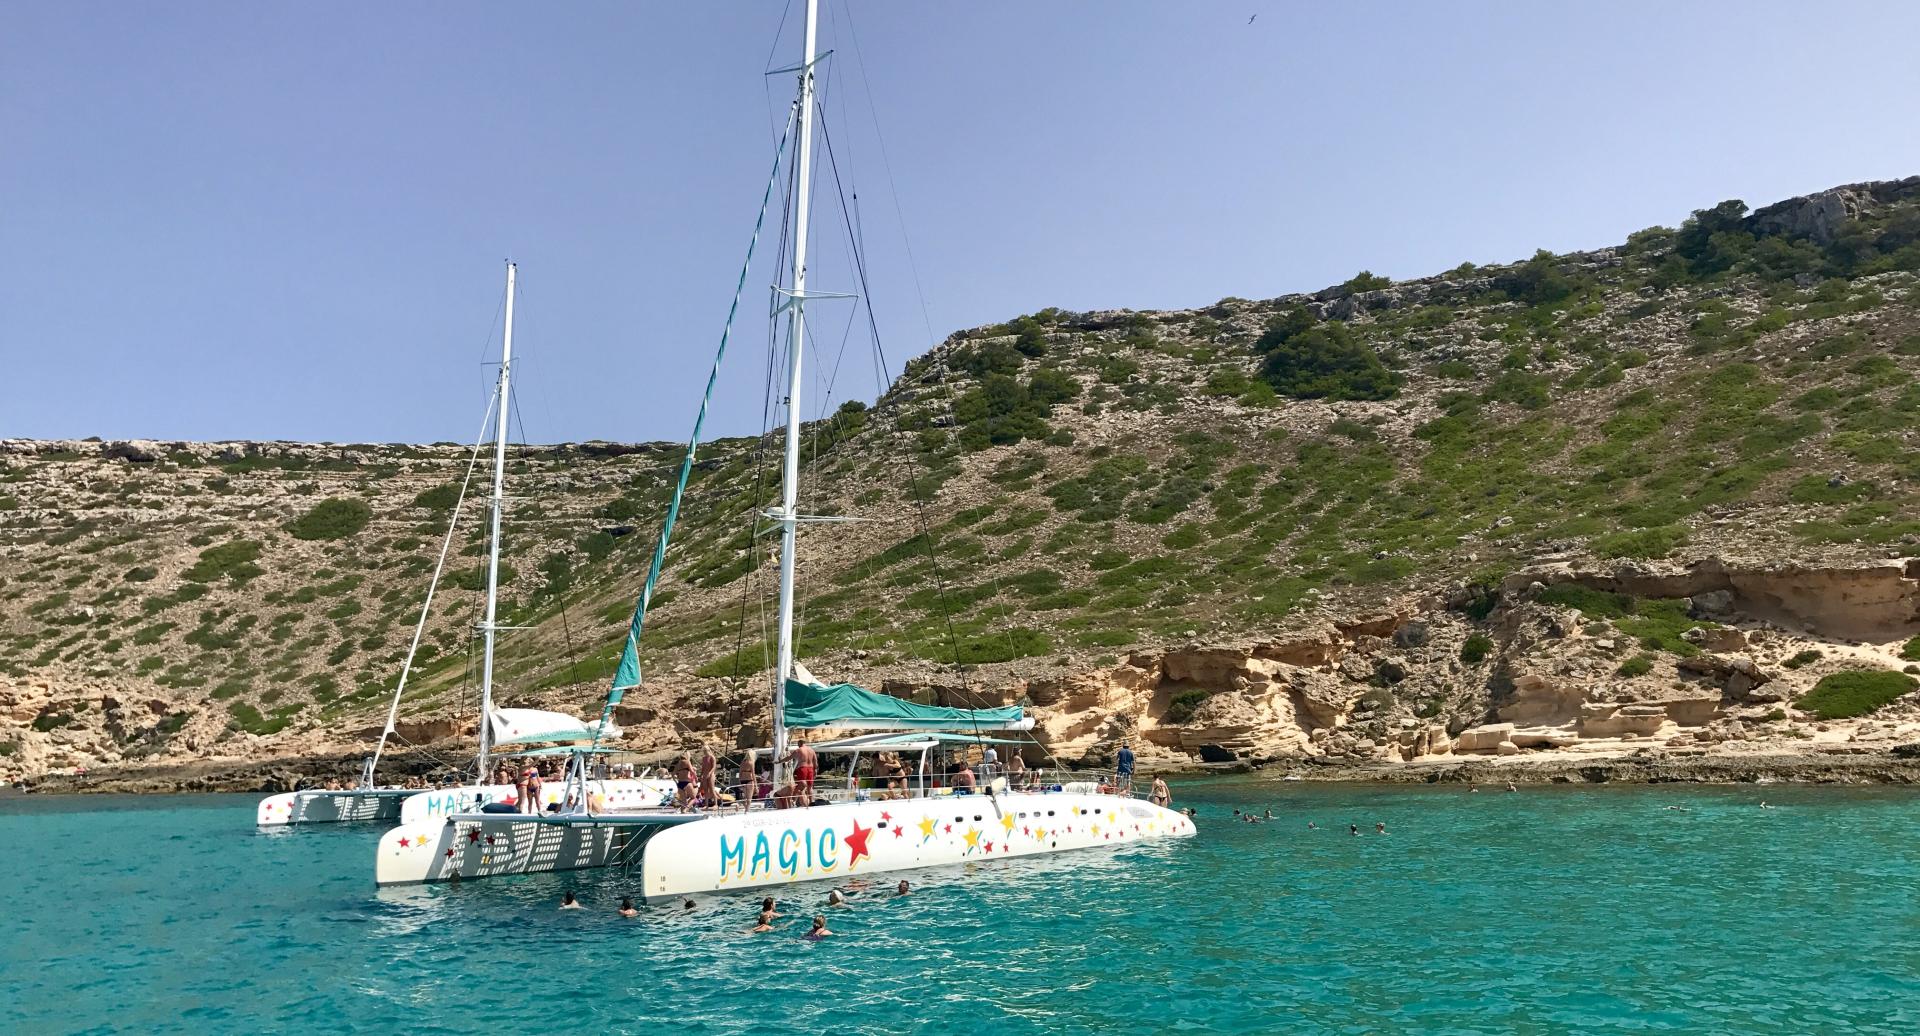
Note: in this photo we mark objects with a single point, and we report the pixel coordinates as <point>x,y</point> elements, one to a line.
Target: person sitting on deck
<point>963,779</point>
<point>786,798</point>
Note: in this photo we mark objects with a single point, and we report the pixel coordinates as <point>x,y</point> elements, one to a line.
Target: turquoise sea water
<point>1544,911</point>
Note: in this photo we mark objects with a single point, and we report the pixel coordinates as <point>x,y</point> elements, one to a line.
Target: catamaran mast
<point>493,536</point>
<point>796,333</point>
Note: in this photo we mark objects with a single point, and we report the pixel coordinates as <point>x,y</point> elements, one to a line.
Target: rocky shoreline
<point>1898,766</point>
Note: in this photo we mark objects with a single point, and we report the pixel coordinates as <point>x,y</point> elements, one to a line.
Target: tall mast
<point>796,333</point>
<point>493,535</point>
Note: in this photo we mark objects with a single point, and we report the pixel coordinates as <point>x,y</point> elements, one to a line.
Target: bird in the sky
<point>1255,15</point>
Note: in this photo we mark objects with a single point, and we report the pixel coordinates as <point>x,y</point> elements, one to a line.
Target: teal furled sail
<point>845,706</point>
<point>628,674</point>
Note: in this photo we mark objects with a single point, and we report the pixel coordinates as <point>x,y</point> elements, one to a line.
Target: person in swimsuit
<point>520,792</point>
<point>963,779</point>
<point>805,761</point>
<point>819,930</point>
<point>1161,796</point>
<point>626,907</point>
<point>766,922</point>
<point>709,772</point>
<point>567,902</point>
<point>533,790</point>
<point>836,898</point>
<point>749,776</point>
<point>903,888</point>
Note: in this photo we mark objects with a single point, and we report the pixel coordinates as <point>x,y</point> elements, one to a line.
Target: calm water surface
<point>1546,911</point>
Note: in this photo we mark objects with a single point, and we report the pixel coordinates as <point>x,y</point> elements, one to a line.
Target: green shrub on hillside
<point>1854,693</point>
<point>1185,704</point>
<point>1638,665</point>
<point>1911,650</point>
<point>334,518</point>
<point>1310,360</point>
<point>1476,649</point>
<point>440,498</point>
<point>232,561</point>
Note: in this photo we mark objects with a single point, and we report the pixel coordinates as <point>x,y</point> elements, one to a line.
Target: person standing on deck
<point>749,776</point>
<point>963,779</point>
<point>1123,769</point>
<point>989,762</point>
<point>709,772</point>
<point>533,789</point>
<point>520,791</point>
<point>805,760</point>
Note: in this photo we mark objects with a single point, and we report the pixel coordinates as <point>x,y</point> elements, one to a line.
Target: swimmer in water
<point>626,907</point>
<point>770,906</point>
<point>1269,814</point>
<point>903,888</point>
<point>1678,809</point>
<point>1510,786</point>
<point>567,902</point>
<point>686,904</point>
<point>819,930</point>
<point>1353,829</point>
<point>1311,826</point>
<point>1380,827</point>
<point>766,922</point>
<point>836,898</point>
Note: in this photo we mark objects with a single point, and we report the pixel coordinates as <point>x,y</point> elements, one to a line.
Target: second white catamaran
<point>498,727</point>
<point>833,834</point>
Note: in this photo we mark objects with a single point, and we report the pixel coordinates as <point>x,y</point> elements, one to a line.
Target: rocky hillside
<point>1649,496</point>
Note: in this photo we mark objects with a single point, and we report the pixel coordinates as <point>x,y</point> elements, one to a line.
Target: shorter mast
<point>426,607</point>
<point>488,627</point>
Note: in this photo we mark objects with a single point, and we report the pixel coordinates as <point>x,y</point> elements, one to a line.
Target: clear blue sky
<point>276,220</point>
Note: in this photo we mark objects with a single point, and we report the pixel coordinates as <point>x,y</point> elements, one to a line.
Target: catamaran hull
<point>613,795</point>
<point>330,807</point>
<point>680,854</point>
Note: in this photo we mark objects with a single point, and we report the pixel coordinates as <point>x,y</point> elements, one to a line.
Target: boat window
<point>976,818</point>
<point>959,820</point>
<point>882,824</point>
<point>1049,812</point>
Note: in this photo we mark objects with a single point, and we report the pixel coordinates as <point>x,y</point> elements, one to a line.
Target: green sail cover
<point>847,706</point>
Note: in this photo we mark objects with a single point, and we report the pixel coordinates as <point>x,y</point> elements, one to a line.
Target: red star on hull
<point>857,844</point>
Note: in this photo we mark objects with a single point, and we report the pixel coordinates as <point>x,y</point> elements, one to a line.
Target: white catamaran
<point>519,728</point>
<point>836,834</point>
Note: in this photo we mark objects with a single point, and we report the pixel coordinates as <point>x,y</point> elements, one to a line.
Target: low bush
<point>1476,649</point>
<point>1854,693</point>
<point>334,518</point>
<point>1185,704</point>
<point>1638,665</point>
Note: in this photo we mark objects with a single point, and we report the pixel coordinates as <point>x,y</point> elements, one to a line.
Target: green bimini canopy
<point>848,707</point>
